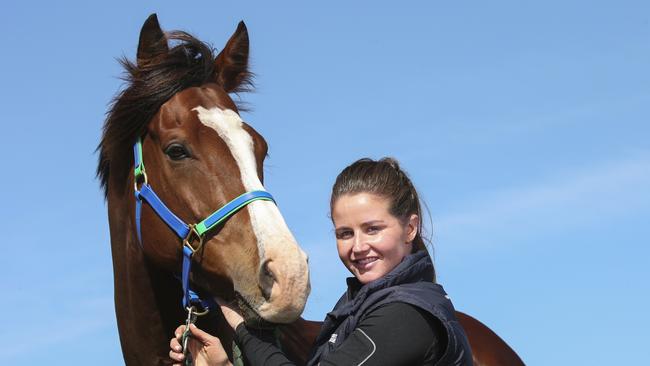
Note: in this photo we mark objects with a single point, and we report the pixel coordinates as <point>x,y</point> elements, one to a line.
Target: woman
<point>393,312</point>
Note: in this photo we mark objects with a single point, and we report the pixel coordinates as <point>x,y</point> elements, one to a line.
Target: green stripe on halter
<point>225,212</point>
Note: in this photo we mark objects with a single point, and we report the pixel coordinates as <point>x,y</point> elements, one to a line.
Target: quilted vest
<point>411,282</point>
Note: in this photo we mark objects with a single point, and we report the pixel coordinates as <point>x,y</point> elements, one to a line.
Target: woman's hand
<point>230,312</point>
<point>206,349</point>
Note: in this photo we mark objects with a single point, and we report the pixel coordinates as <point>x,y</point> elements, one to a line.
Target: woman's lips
<point>364,263</point>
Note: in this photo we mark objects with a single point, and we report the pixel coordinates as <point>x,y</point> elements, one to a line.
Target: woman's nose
<point>360,244</point>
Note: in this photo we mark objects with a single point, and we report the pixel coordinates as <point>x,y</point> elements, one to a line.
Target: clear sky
<point>525,126</point>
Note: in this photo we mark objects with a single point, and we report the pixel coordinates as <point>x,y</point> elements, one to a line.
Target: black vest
<point>411,282</point>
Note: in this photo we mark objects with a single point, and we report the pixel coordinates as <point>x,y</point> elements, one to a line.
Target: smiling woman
<point>376,214</point>
<point>371,241</point>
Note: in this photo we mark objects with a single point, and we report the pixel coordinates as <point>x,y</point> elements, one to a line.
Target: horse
<point>176,116</point>
<point>176,113</point>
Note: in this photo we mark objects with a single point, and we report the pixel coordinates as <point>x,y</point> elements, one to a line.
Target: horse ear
<point>231,65</point>
<point>152,40</point>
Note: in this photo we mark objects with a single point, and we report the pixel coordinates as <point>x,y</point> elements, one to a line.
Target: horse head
<point>199,155</point>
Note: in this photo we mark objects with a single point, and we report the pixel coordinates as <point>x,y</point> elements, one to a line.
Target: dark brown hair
<point>384,178</point>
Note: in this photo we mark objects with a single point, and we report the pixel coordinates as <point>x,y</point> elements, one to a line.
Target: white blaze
<point>268,224</point>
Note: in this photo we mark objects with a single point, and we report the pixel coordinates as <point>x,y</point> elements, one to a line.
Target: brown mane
<point>188,63</point>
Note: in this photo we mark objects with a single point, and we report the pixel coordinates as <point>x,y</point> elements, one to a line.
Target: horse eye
<point>176,152</point>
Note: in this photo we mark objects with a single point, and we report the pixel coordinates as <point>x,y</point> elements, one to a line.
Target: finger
<point>232,314</point>
<point>175,345</point>
<point>179,331</point>
<point>176,356</point>
<point>202,336</point>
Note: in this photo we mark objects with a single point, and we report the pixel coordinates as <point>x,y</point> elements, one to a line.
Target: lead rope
<point>237,356</point>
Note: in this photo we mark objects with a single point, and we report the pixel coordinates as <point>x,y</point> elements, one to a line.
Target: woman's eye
<point>176,152</point>
<point>344,235</point>
<point>373,229</point>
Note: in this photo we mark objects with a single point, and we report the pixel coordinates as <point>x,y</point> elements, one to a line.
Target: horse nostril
<point>267,278</point>
<point>267,270</point>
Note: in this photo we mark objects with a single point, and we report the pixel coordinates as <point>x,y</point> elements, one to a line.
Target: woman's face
<point>370,241</point>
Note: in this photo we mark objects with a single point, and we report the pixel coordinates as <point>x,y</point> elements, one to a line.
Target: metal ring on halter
<point>198,313</point>
<point>137,179</point>
<point>187,241</point>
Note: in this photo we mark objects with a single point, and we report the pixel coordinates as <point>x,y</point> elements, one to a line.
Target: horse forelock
<point>190,62</point>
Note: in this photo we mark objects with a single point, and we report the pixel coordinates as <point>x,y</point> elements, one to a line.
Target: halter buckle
<point>188,240</point>
<point>140,176</point>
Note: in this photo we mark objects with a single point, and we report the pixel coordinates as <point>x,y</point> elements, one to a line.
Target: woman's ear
<point>412,227</point>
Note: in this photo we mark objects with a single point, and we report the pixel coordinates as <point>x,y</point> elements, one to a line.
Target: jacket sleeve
<point>259,348</point>
<point>394,334</point>
<point>391,335</point>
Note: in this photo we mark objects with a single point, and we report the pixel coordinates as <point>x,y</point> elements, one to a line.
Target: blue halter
<point>192,235</point>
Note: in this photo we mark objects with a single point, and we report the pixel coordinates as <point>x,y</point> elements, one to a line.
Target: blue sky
<point>524,126</point>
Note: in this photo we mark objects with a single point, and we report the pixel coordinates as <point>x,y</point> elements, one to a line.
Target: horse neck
<point>298,338</point>
<point>147,298</point>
